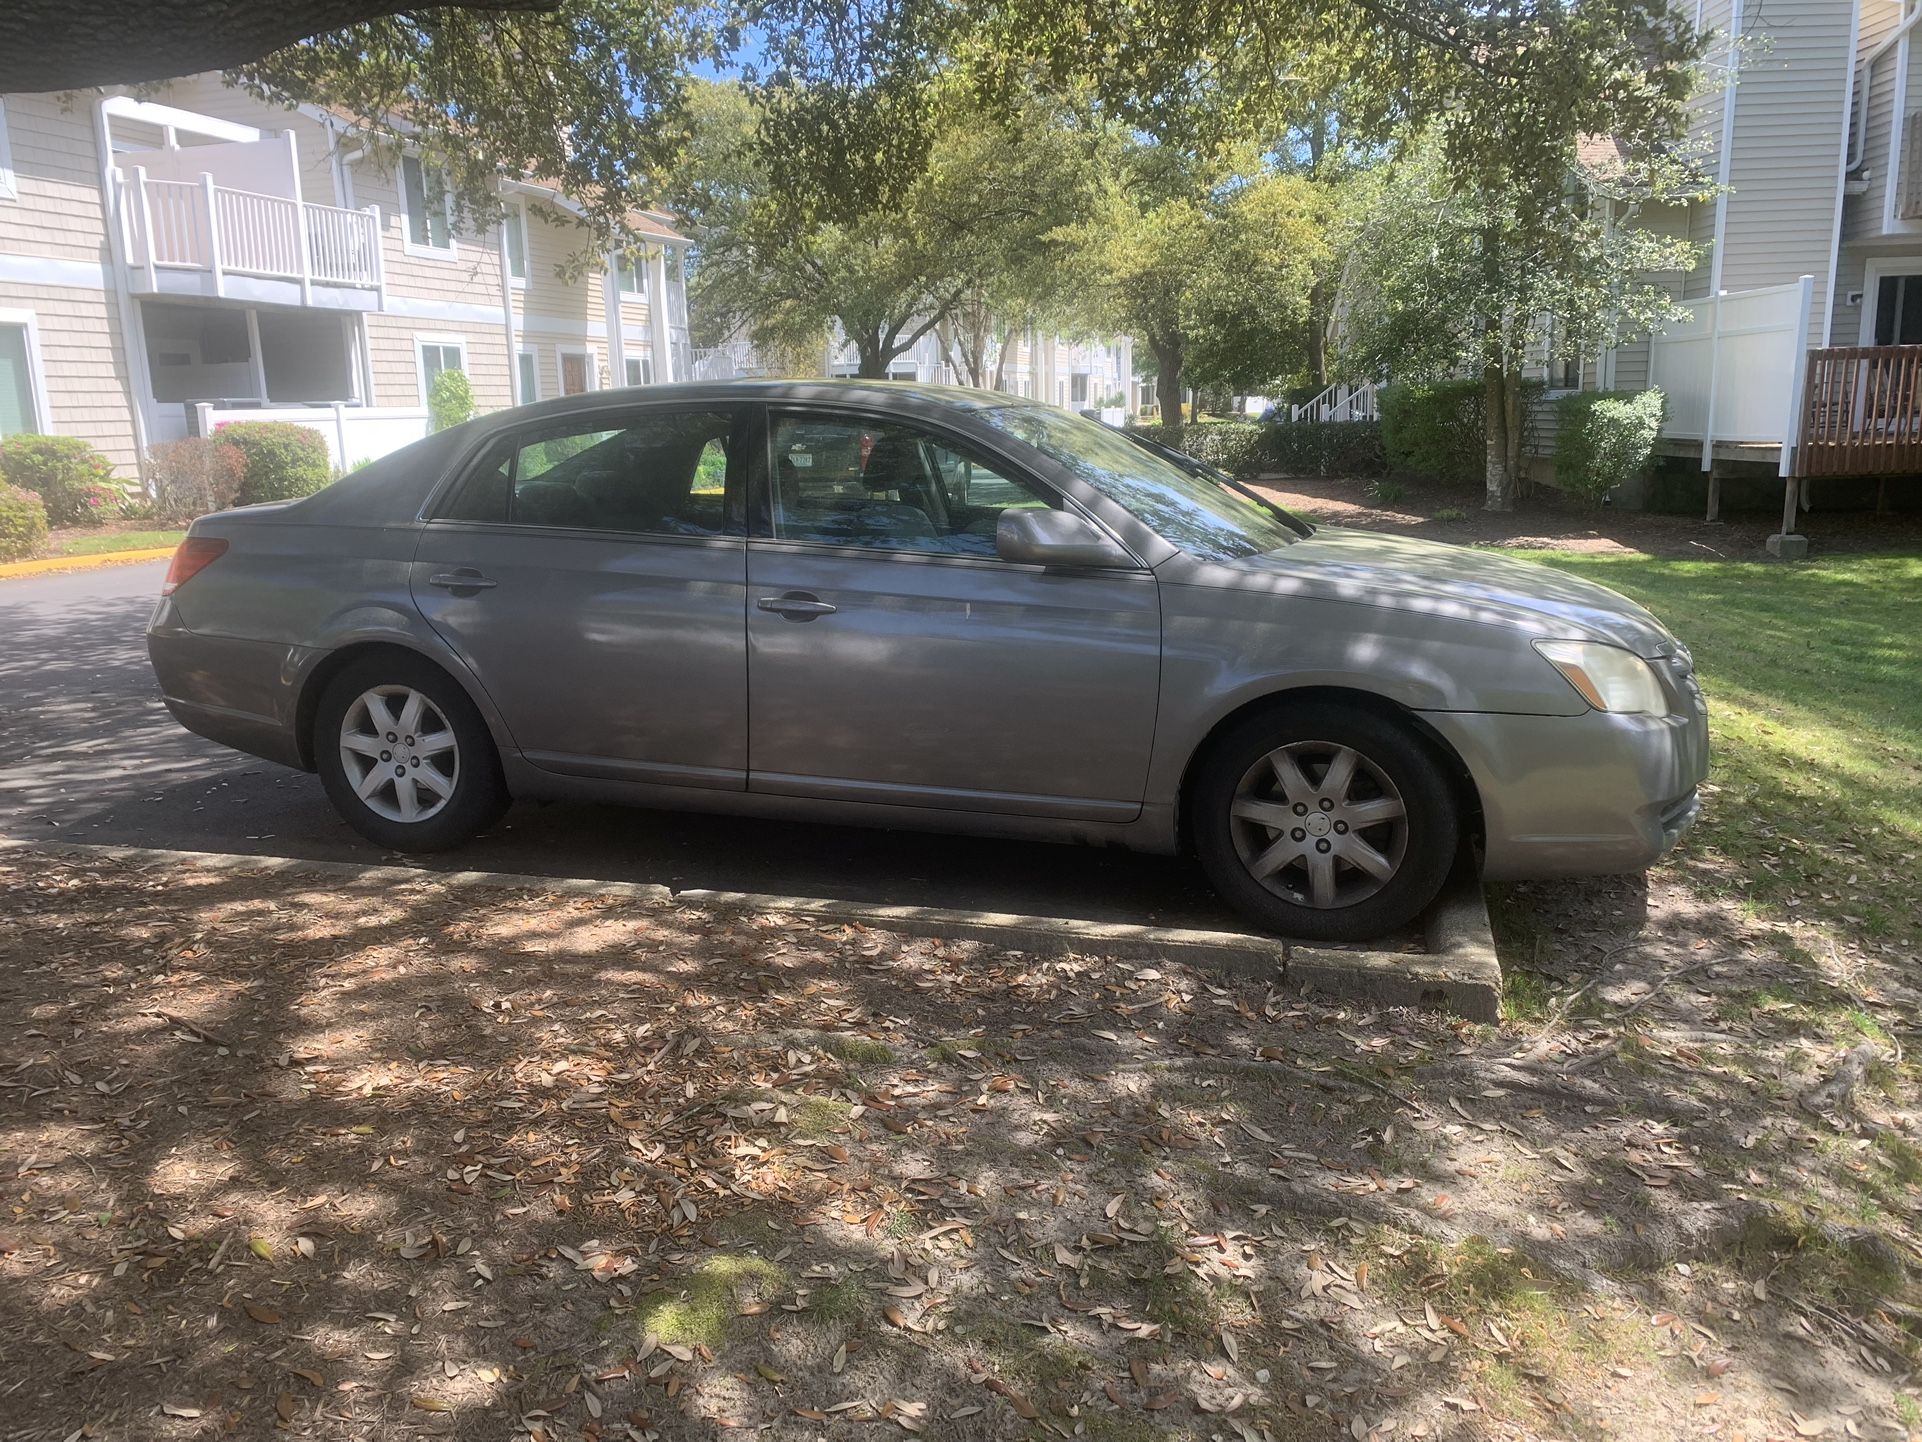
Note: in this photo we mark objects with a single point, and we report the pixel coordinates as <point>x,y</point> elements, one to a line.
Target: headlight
<point>1609,678</point>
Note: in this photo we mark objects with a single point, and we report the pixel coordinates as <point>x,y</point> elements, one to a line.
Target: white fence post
<point>1714,367</point>
<point>1798,377</point>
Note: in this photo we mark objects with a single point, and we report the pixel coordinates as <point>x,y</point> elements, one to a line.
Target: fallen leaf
<point>266,1316</point>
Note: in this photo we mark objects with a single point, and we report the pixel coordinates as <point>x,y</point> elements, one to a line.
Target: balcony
<point>198,238</point>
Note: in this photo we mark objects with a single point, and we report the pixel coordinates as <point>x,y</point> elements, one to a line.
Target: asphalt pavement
<point>89,754</point>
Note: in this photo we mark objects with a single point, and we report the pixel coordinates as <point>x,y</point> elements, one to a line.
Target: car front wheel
<point>1324,822</point>
<point>405,757</point>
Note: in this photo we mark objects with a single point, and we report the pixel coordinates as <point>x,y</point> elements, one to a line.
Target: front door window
<point>855,482</point>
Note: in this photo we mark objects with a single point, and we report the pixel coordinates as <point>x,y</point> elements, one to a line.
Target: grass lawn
<point>96,543</point>
<point>1814,678</point>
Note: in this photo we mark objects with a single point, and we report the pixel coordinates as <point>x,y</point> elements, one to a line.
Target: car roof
<point>910,396</point>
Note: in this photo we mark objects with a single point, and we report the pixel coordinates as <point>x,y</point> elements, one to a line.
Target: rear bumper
<point>239,693</point>
<point>1580,795</point>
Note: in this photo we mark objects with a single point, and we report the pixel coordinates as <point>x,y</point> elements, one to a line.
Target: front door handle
<point>463,579</point>
<point>796,606</point>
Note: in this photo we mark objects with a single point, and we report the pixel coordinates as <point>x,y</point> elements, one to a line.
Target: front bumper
<point>1580,795</point>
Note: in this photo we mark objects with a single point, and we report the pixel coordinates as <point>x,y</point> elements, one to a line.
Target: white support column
<point>514,396</point>
<point>143,207</point>
<point>611,313</point>
<point>302,241</point>
<point>1798,377</point>
<point>212,212</point>
<point>659,337</point>
<point>260,362</point>
<point>380,258</point>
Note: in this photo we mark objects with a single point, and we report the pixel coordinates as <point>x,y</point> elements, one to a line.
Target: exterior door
<point>591,573</point>
<point>573,373</point>
<point>894,658</point>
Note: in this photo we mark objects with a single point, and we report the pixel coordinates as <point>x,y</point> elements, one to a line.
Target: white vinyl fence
<point>1733,371</point>
<point>353,433</point>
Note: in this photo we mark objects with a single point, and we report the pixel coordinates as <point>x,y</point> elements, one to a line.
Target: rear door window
<point>657,473</point>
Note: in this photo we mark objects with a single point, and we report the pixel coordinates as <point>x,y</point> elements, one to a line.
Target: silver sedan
<point>907,606</point>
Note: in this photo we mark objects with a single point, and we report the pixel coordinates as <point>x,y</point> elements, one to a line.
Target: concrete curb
<point>1460,975</point>
<point>48,565</point>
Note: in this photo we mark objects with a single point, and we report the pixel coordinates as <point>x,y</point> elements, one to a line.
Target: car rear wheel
<point>1324,822</point>
<point>405,756</point>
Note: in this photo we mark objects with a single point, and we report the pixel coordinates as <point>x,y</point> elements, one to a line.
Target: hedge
<point>23,523</point>
<point>1602,438</point>
<point>62,471</point>
<point>282,461</point>
<point>1437,429</point>
<point>1237,447</point>
<point>1326,448</point>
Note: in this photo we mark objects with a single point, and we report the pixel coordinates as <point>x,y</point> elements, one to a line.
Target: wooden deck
<point>1862,412</point>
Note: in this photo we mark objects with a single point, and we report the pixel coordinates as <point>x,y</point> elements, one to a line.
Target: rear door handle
<point>796,606</point>
<point>461,580</point>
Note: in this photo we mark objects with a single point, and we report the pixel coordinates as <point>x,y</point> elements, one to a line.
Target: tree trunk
<point>1512,419</point>
<point>1499,479</point>
<point>872,358</point>
<point>1167,379</point>
<point>1320,298</point>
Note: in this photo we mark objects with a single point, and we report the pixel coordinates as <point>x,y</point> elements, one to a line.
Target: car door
<point>591,573</point>
<point>893,657</point>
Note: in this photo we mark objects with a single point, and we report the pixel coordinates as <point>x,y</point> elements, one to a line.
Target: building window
<point>1898,310</point>
<point>640,370</point>
<point>527,378</point>
<point>9,190</point>
<point>429,205</point>
<point>1079,393</point>
<point>20,411</point>
<point>437,356</point>
<point>631,275</point>
<point>515,229</point>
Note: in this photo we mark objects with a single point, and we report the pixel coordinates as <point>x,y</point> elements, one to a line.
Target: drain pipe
<point>133,341</point>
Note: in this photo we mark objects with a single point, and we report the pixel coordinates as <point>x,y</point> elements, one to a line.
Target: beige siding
<point>84,367</point>
<point>393,350</point>
<point>57,171</point>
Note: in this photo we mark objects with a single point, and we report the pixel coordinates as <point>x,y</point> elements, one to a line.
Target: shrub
<point>450,400</point>
<point>192,477</point>
<point>100,502</point>
<point>281,461</point>
<point>1434,429</point>
<point>58,469</point>
<point>1326,448</point>
<point>23,523</point>
<point>1387,491</point>
<point>1451,513</point>
<point>1602,438</point>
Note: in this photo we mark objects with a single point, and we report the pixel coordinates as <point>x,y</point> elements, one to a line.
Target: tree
<point>73,44</point>
<point>1444,279</point>
<point>786,254</point>
<point>590,98</point>
<point>1267,250</point>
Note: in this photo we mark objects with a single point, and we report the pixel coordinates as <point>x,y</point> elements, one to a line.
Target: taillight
<point>192,557</point>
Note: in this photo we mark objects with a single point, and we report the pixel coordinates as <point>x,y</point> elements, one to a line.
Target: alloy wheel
<point>1319,824</point>
<point>399,753</point>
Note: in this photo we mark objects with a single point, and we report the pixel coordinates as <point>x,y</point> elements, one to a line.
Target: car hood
<point>1370,568</point>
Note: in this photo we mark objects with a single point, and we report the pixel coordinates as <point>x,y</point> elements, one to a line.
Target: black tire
<point>1393,766</point>
<point>478,792</point>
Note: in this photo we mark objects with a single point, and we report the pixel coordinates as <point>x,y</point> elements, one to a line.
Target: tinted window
<point>660,475</point>
<point>1201,516</point>
<point>844,481</point>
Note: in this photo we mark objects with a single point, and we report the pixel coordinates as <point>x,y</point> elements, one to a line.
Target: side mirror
<point>1056,538</point>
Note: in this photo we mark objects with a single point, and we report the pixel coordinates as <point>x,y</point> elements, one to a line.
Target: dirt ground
<point>292,1156</point>
<point>1545,521</point>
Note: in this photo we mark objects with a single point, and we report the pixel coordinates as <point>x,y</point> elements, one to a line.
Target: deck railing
<point>1341,402</point>
<point>188,225</point>
<point>1862,411</point>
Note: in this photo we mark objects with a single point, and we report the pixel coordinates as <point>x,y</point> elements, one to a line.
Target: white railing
<point>353,433</point>
<point>1340,402</point>
<point>1732,372</point>
<point>184,225</point>
<point>343,246</point>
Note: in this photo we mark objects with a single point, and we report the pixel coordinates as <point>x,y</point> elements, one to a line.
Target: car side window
<point>850,481</point>
<point>662,474</point>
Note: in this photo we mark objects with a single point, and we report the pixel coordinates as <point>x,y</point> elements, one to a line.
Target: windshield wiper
<point>1197,467</point>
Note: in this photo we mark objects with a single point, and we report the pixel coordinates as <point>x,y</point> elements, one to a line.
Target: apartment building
<point>172,261</point>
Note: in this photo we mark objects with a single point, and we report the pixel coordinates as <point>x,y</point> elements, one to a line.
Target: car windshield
<point>1202,516</point>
